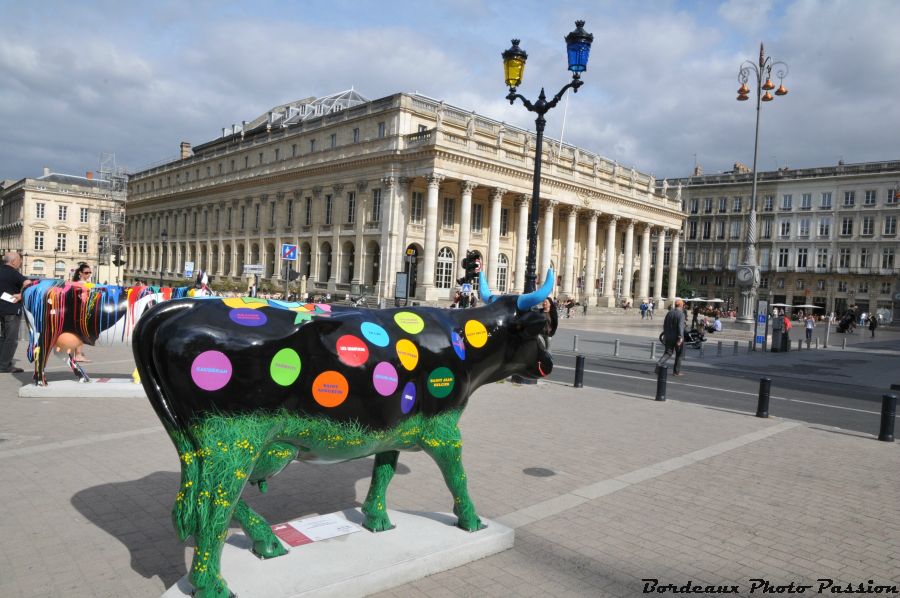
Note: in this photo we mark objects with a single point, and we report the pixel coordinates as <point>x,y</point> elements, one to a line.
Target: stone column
<point>336,222</point>
<point>609,287</point>
<point>522,203</point>
<point>590,274</point>
<point>673,266</point>
<point>404,213</point>
<point>315,242</point>
<point>644,282</point>
<point>493,255</point>
<point>359,258</point>
<point>628,268</point>
<point>465,223</point>
<point>431,234</point>
<point>569,259</point>
<point>660,257</point>
<point>546,239</point>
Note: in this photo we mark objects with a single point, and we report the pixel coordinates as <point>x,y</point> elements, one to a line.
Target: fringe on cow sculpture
<point>65,315</point>
<point>244,386</point>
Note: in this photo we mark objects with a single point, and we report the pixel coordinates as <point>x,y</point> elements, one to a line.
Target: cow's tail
<point>185,515</point>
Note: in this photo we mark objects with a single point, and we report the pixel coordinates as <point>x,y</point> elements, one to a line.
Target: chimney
<point>269,122</point>
<point>185,150</point>
<point>46,171</point>
<point>89,175</point>
<point>243,128</point>
<point>233,129</point>
<point>223,131</point>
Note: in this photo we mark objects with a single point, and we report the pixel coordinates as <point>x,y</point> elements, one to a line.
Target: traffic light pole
<point>287,282</point>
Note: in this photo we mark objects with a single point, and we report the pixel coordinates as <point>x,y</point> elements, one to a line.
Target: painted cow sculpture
<point>66,315</point>
<point>244,386</point>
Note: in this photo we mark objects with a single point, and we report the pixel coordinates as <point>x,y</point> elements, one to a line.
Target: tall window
<point>243,217</point>
<point>227,220</point>
<point>825,200</point>
<point>871,197</point>
<point>865,257</point>
<point>723,204</point>
<point>720,229</point>
<point>255,217</point>
<point>351,207</point>
<point>849,198</point>
<point>786,201</point>
<point>887,258</point>
<point>260,156</point>
<point>783,257</point>
<point>417,213</point>
<point>477,215</point>
<point>868,226</point>
<point>806,201</point>
<point>63,212</point>
<point>767,229</point>
<point>356,135</point>
<point>449,212</point>
<point>381,130</point>
<point>502,272</point>
<point>333,140</point>
<point>312,145</point>
<point>504,222</point>
<point>695,203</point>
<point>307,212</point>
<point>60,241</point>
<point>39,240</point>
<point>822,257</point>
<point>736,205</point>
<point>768,203</point>
<point>692,229</point>
<point>83,216</point>
<point>732,258</point>
<point>802,257</point>
<point>444,274</point>
<point>82,243</point>
<point>803,228</point>
<point>376,205</point>
<point>784,229</point>
<point>846,227</point>
<point>893,196</point>
<point>825,227</point>
<point>328,209</point>
<point>290,212</point>
<point>707,229</point>
<point>765,258</point>
<point>890,226</point>
<point>39,210</point>
<point>844,258</point>
<point>707,205</point>
<point>246,161</point>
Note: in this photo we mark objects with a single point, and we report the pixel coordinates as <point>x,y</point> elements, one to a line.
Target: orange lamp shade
<point>768,97</point>
<point>768,85</point>
<point>781,91</point>
<point>744,90</point>
<point>743,97</point>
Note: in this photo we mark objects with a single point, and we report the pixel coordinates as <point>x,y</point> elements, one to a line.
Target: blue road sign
<point>288,252</point>
<point>761,318</point>
<point>759,339</point>
<point>466,288</point>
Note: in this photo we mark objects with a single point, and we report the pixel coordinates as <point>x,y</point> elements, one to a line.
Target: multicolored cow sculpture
<point>245,386</point>
<point>66,315</point>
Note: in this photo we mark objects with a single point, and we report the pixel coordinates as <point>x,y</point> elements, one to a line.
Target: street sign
<point>759,339</point>
<point>761,318</point>
<point>189,269</point>
<point>466,288</point>
<point>288,252</point>
<point>253,269</point>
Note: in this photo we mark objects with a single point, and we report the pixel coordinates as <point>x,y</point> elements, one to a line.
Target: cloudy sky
<point>81,78</point>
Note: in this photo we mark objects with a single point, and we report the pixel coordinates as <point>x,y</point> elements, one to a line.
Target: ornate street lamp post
<point>748,273</point>
<point>578,46</point>
<point>164,236</point>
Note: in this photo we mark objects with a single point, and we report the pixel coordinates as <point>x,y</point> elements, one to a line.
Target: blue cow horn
<point>484,290</point>
<point>529,300</point>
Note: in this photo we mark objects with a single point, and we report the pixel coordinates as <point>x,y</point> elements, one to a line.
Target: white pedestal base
<point>358,564</point>
<point>98,387</point>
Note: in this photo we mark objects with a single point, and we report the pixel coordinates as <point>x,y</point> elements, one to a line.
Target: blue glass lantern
<point>578,47</point>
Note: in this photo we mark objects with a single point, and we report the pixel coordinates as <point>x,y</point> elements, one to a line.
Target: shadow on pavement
<point>138,512</point>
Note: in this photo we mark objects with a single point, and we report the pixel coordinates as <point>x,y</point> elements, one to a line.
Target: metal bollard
<point>575,343</point>
<point>652,349</point>
<point>735,347</point>
<point>762,405</point>
<point>888,412</point>
<point>817,342</point>
<point>701,350</point>
<point>579,371</point>
<point>661,374</point>
<point>616,349</point>
<point>799,344</point>
<point>719,349</point>
<point>749,346</point>
<point>844,343</point>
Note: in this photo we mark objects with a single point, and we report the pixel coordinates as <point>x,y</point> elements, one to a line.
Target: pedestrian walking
<point>12,283</point>
<point>643,309</point>
<point>873,324</point>
<point>649,309</point>
<point>810,324</point>
<point>673,337</point>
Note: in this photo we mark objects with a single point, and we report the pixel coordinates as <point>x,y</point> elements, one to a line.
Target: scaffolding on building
<point>112,180</point>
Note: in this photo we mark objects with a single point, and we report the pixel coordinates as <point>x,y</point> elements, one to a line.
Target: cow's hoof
<point>268,549</point>
<point>378,524</point>
<point>471,525</point>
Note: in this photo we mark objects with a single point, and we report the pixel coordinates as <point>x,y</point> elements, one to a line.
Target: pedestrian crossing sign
<point>759,339</point>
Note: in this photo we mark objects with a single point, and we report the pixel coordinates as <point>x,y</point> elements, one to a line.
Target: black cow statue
<point>244,386</point>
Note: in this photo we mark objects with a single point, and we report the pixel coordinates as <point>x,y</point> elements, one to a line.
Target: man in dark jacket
<point>11,285</point>
<point>673,336</point>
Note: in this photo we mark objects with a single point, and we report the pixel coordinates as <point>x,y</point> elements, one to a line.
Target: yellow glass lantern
<point>514,64</point>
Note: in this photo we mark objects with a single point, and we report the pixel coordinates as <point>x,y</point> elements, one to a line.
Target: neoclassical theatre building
<point>404,183</point>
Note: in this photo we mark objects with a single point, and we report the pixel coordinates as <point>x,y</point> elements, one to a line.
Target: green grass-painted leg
<point>444,443</point>
<point>266,544</point>
<point>375,508</point>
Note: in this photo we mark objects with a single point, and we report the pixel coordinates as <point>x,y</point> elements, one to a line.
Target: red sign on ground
<point>290,535</point>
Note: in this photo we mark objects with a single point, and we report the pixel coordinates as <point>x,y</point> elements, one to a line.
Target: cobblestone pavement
<point>604,490</point>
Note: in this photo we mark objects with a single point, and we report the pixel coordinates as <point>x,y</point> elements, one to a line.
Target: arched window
<point>444,275</point>
<point>502,273</point>
<point>38,266</point>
